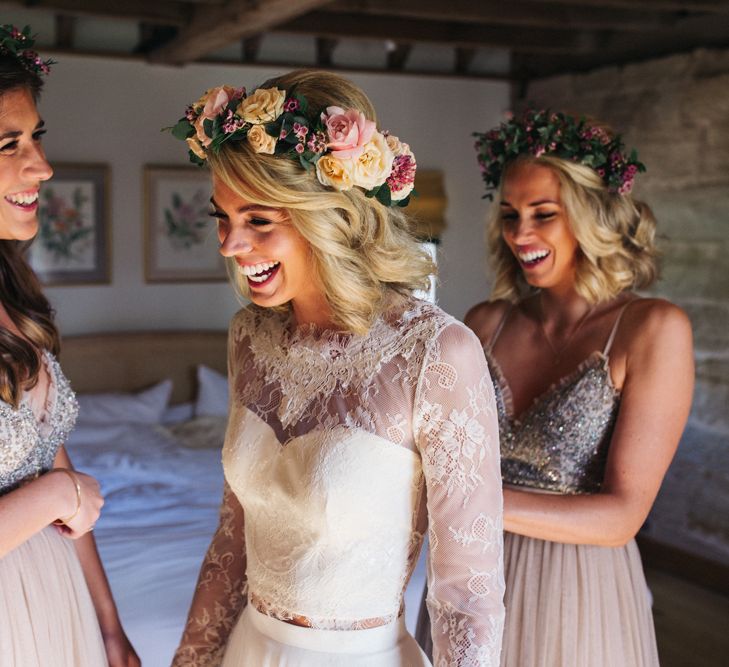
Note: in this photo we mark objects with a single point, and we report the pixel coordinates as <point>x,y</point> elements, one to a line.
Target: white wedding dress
<point>341,450</point>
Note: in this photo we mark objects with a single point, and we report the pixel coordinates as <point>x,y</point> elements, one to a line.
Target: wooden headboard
<point>135,360</point>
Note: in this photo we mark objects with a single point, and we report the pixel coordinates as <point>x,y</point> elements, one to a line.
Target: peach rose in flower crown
<point>261,141</point>
<point>334,173</point>
<point>196,147</point>
<point>374,165</point>
<point>264,105</point>
<point>347,131</point>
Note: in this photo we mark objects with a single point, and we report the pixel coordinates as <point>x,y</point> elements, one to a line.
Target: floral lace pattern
<point>343,450</point>
<point>459,438</point>
<point>220,594</point>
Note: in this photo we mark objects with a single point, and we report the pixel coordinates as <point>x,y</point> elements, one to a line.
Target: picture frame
<point>180,243</point>
<point>72,246</point>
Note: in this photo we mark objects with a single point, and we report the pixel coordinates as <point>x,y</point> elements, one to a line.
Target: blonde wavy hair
<point>615,234</point>
<point>362,250</point>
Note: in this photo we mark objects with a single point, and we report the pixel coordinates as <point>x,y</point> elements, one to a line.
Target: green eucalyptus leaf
<point>384,196</point>
<point>182,129</point>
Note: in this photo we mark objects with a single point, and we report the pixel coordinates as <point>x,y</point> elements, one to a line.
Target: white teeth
<point>23,198</point>
<point>533,255</point>
<point>258,272</point>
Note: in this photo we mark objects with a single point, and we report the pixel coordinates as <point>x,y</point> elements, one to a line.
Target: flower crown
<point>18,43</point>
<point>545,132</point>
<point>340,145</point>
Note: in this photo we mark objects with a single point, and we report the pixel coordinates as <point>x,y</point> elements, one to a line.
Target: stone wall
<point>675,110</point>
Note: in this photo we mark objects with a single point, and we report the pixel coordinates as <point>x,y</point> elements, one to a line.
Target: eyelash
<point>11,146</point>
<point>256,222</point>
<point>512,217</point>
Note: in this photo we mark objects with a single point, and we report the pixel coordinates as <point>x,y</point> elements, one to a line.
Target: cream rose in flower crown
<point>341,146</point>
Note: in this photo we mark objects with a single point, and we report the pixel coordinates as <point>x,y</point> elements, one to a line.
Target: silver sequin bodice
<point>560,442</point>
<point>28,446</point>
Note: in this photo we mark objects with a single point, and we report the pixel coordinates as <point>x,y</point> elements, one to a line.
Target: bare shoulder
<point>484,317</point>
<point>657,316</point>
<point>652,325</point>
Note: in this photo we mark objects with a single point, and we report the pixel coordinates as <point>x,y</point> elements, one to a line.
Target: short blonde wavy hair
<point>362,250</point>
<point>615,234</point>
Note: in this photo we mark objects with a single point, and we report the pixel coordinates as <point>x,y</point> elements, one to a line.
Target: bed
<point>151,427</point>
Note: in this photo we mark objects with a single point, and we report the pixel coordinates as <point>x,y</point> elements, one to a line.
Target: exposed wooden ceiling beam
<point>250,47</point>
<point>325,51</point>
<point>212,28</point>
<point>167,12</point>
<point>152,35</point>
<point>65,31</point>
<point>398,55</point>
<point>357,26</point>
<point>464,58</point>
<point>717,6</point>
<point>619,49</point>
<point>516,12</point>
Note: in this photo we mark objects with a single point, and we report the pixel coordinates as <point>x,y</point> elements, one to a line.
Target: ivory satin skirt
<point>46,613</point>
<point>263,641</point>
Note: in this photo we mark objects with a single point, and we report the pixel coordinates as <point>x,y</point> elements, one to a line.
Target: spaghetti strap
<point>614,330</point>
<point>495,335</point>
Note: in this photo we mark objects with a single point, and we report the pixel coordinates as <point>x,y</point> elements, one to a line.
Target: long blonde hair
<point>362,250</point>
<point>615,233</point>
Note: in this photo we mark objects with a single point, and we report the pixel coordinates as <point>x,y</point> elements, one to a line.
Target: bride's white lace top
<point>340,451</point>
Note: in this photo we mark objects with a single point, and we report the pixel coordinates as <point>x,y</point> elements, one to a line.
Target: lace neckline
<point>596,359</point>
<point>309,363</point>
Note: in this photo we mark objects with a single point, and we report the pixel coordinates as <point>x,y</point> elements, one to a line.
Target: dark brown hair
<point>20,291</point>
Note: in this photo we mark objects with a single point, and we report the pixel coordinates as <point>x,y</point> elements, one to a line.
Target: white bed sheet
<point>161,510</point>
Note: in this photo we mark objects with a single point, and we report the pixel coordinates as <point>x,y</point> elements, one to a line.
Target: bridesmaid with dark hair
<point>56,607</point>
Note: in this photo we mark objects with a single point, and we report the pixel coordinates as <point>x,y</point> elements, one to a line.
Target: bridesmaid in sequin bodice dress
<point>593,387</point>
<point>55,604</point>
<point>360,417</point>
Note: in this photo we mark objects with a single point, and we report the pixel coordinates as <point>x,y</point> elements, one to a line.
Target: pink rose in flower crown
<point>348,131</point>
<point>213,102</point>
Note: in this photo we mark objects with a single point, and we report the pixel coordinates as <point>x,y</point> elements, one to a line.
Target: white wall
<point>111,111</point>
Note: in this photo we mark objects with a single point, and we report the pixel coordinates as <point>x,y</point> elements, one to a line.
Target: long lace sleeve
<point>220,594</point>
<point>457,435</point>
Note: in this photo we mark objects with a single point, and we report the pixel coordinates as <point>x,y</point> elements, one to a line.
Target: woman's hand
<point>79,506</point>
<point>119,651</point>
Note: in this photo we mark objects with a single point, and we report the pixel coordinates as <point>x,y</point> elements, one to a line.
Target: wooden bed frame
<point>136,360</point>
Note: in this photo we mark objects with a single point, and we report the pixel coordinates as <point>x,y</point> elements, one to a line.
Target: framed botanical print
<point>72,244</point>
<point>180,243</point>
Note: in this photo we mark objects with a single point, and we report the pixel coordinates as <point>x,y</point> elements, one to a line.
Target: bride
<point>360,416</point>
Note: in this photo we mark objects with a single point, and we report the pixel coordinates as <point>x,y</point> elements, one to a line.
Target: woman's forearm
<point>30,508</point>
<point>98,584</point>
<point>603,519</point>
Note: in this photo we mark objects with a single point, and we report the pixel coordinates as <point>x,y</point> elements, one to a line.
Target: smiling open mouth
<point>533,258</point>
<point>259,274</point>
<point>23,200</point>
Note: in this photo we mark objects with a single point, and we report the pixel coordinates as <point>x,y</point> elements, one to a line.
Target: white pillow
<point>212,393</point>
<point>144,407</point>
<point>180,412</point>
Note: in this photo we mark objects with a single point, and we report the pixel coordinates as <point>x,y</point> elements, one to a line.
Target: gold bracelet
<point>74,479</point>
